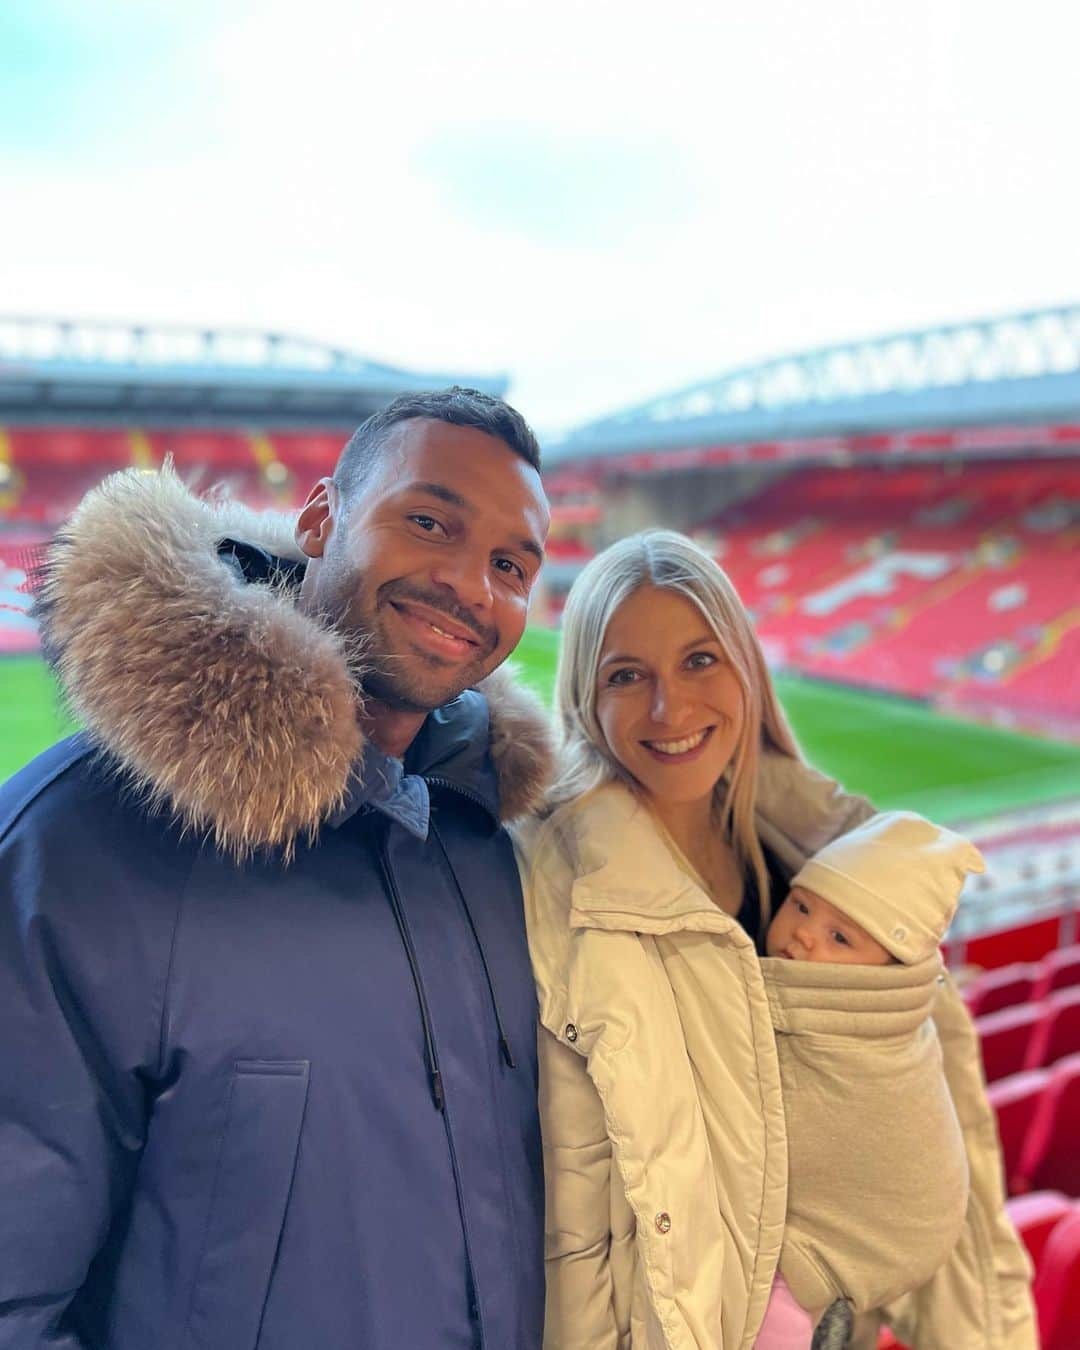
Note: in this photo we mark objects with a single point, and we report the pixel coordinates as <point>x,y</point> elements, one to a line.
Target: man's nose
<point>468,577</point>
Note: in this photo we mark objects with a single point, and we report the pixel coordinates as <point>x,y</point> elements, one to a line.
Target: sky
<point>604,200</point>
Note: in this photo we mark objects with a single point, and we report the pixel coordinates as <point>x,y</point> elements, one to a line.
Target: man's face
<point>431,563</point>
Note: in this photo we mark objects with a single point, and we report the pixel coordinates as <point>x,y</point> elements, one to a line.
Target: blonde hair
<point>668,561</point>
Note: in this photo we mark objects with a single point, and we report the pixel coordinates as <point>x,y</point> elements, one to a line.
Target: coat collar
<point>220,700</point>
<point>625,875</point>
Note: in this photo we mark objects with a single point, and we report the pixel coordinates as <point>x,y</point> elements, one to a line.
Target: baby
<point>877,1173</point>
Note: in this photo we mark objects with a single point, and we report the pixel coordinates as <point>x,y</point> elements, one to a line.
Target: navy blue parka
<point>276,1095</point>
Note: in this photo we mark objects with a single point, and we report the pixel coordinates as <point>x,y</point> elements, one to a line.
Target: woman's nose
<point>668,703</point>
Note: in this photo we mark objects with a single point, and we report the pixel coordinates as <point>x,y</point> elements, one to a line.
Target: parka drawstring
<point>430,1054</point>
<point>504,1039</point>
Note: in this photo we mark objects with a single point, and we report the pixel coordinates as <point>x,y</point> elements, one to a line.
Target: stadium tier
<point>959,584</point>
<point>44,471</point>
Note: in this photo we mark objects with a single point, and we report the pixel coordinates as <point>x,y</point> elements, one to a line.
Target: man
<point>269,1073</point>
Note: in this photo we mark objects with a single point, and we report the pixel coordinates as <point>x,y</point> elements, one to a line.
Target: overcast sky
<point>606,200</point>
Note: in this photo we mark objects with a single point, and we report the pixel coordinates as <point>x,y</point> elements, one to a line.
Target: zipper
<point>504,1039</point>
<point>465,792</point>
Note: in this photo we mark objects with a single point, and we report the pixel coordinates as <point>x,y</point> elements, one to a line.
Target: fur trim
<point>221,701</point>
<point>521,743</point>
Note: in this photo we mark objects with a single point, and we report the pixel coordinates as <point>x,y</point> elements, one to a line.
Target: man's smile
<point>433,629</point>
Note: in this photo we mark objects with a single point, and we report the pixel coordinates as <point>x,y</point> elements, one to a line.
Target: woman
<point>682,804</point>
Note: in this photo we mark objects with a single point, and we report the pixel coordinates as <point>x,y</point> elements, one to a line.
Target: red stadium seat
<point>1057,1286</point>
<point>1015,1100</point>
<point>1057,1032</point>
<point>1003,988</point>
<point>1004,1039</point>
<point>1023,942</point>
<point>1057,970</point>
<point>1050,1157</point>
<point>1035,1217</point>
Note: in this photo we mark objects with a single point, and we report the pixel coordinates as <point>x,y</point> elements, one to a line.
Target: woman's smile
<point>681,750</point>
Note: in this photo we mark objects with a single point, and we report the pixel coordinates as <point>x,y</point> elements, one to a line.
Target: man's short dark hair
<point>460,407</point>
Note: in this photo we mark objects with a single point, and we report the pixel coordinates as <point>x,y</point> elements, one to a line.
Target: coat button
<point>571,1032</point>
<point>663,1222</point>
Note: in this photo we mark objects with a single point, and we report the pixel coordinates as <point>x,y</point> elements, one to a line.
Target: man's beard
<point>410,680</point>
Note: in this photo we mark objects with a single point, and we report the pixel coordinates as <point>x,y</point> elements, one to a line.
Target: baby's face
<point>808,928</point>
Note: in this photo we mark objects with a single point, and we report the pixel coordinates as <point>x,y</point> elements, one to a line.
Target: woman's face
<point>667,700</point>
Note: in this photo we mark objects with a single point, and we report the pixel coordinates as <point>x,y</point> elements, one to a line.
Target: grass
<point>30,713</point>
<point>899,753</point>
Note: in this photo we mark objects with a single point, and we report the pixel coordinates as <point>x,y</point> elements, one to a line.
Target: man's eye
<point>510,567</point>
<point>427,523</point>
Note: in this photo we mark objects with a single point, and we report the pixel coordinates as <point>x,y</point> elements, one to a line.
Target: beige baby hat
<point>898,876</point>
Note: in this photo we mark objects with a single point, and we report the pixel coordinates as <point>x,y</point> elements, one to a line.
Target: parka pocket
<point>247,1208</point>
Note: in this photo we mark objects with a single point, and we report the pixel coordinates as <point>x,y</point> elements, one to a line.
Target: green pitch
<point>896,752</point>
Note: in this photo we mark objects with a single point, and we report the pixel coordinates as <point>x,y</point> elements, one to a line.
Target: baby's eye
<point>841,939</point>
<point>801,906</point>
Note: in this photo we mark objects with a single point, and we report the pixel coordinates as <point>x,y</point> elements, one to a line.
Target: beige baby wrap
<point>878,1176</point>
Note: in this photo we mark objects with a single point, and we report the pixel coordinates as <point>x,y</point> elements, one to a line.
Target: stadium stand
<point>51,468</point>
<point>956,584</point>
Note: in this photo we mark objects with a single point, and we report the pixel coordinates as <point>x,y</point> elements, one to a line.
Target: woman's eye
<point>700,660</point>
<point>624,677</point>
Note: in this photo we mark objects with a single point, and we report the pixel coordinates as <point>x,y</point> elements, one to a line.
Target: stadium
<point>901,515</point>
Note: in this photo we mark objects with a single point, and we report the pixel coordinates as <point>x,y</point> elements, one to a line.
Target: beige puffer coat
<point>665,1154</point>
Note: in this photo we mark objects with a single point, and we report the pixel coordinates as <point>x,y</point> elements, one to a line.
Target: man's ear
<point>316,519</point>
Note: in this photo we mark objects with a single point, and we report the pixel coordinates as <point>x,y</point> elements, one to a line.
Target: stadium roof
<point>59,369</point>
<point>1019,368</point>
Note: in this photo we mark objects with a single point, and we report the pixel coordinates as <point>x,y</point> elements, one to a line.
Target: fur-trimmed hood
<point>221,700</point>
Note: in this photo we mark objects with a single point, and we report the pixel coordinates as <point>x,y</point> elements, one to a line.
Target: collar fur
<point>222,701</point>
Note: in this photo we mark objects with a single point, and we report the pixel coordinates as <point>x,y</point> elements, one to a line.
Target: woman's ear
<point>315,522</point>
